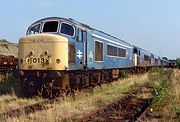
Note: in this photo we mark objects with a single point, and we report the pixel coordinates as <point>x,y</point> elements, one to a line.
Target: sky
<point>150,24</point>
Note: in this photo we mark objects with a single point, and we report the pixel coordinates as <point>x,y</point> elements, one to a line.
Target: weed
<point>161,96</point>
<point>176,111</point>
<point>164,89</point>
<point>100,102</point>
<point>134,85</point>
<point>124,74</point>
<point>154,74</point>
<point>9,85</point>
<point>71,109</point>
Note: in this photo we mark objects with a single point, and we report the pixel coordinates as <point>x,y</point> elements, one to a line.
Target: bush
<point>178,62</point>
<point>176,110</point>
<point>124,74</point>
<point>160,74</point>
<point>164,88</point>
<point>9,85</point>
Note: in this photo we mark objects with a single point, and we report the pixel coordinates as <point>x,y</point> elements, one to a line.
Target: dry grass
<point>71,109</point>
<point>9,102</point>
<point>173,108</point>
<point>9,85</point>
<point>9,92</point>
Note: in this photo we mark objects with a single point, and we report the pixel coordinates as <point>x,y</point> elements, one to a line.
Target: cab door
<point>136,57</point>
<point>81,49</point>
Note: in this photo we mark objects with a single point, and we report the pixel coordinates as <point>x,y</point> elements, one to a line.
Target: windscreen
<point>34,29</point>
<point>50,26</point>
<point>67,29</point>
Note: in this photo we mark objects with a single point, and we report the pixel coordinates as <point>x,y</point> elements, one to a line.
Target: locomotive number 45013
<point>35,60</point>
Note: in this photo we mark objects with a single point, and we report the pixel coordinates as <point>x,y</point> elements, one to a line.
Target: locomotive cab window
<point>98,51</point>
<point>79,35</point>
<point>82,35</point>
<point>34,30</point>
<point>67,29</point>
<point>50,26</point>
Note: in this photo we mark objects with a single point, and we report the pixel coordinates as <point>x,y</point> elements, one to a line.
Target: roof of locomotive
<point>76,23</point>
<point>64,19</point>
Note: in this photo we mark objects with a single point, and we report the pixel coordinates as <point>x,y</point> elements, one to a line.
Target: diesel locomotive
<point>58,55</point>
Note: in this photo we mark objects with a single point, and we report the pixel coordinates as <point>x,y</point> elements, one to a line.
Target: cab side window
<point>81,35</point>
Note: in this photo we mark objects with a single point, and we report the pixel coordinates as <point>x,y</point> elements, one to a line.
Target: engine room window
<point>115,51</point>
<point>71,54</point>
<point>34,30</point>
<point>121,52</point>
<point>98,51</point>
<point>51,26</point>
<point>67,29</point>
<point>111,50</point>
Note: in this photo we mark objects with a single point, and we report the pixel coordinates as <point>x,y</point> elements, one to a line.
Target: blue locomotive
<point>59,55</point>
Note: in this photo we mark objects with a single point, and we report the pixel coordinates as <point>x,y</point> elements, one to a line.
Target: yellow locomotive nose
<point>43,52</point>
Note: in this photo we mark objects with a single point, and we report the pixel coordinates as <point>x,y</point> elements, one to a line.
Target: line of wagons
<point>58,55</point>
<point>8,56</point>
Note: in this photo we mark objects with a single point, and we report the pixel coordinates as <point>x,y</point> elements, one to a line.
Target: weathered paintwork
<point>57,45</point>
<point>109,62</point>
<point>41,51</point>
<point>58,55</point>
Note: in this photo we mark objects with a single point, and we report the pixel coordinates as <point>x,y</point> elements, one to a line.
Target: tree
<point>178,62</point>
<point>3,40</point>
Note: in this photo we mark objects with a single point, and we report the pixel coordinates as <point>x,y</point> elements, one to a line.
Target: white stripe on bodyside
<point>110,41</point>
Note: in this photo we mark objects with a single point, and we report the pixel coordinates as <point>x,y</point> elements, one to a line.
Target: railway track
<point>9,100</point>
<point>129,108</point>
<point>142,116</point>
<point>43,105</point>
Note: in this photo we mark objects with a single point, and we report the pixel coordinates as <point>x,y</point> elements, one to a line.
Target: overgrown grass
<point>10,89</point>
<point>125,74</point>
<point>9,85</point>
<point>73,108</point>
<point>163,87</point>
<point>167,96</point>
